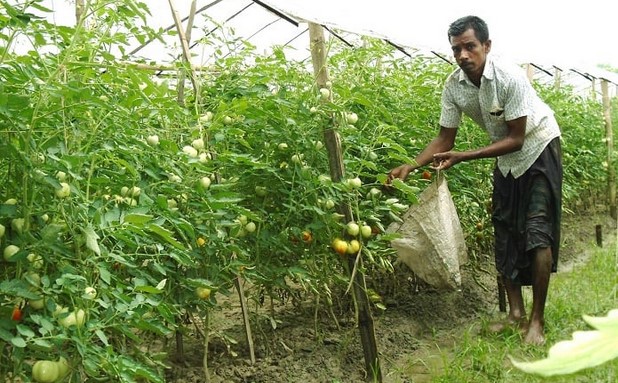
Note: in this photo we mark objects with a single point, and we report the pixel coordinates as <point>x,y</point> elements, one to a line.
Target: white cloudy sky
<point>545,32</point>
<point>526,30</point>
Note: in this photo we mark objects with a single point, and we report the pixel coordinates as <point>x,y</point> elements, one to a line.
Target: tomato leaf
<point>165,235</point>
<point>91,240</point>
<point>25,331</point>
<point>101,335</point>
<point>105,275</point>
<point>137,219</point>
<point>18,342</point>
<point>587,349</point>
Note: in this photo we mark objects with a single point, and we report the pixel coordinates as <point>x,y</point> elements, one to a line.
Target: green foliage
<point>589,287</point>
<point>162,197</point>
<point>587,349</point>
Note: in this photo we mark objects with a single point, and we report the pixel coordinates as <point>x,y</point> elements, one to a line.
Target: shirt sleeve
<point>450,116</point>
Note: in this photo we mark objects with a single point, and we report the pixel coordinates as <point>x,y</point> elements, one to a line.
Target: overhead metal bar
<point>250,37</point>
<point>226,20</point>
<point>295,37</point>
<point>398,47</point>
<point>542,69</point>
<point>337,36</point>
<point>202,9</point>
<point>442,57</point>
<point>277,12</point>
<point>584,75</point>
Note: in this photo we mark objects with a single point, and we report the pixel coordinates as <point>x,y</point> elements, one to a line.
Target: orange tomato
<point>340,246</point>
<point>426,175</point>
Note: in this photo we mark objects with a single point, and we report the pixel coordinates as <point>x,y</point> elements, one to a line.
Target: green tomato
<point>205,181</point>
<point>17,224</point>
<point>10,251</point>
<point>90,292</point>
<point>352,229</point>
<point>35,260</point>
<point>64,190</point>
<point>260,191</point>
<point>63,367</point>
<point>45,371</point>
<point>365,231</point>
<point>198,144</point>
<point>190,151</point>
<point>351,118</point>
<point>153,140</point>
<point>250,227</point>
<point>76,318</point>
<point>354,183</point>
<point>37,304</point>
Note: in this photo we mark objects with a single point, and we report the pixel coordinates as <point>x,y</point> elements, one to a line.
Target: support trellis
<point>333,144</point>
<point>609,136</point>
<point>337,172</point>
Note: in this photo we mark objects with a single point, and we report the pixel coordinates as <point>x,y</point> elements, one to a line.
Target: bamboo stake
<point>530,72</point>
<point>181,79</point>
<point>609,136</point>
<point>245,317</point>
<point>169,28</point>
<point>185,45</point>
<point>557,78</point>
<point>337,171</point>
<point>79,11</point>
<point>206,341</point>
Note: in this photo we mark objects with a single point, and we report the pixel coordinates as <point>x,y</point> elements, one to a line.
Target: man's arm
<point>443,142</point>
<point>509,144</point>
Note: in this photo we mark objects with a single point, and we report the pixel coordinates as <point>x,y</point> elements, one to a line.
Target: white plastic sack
<point>432,243</point>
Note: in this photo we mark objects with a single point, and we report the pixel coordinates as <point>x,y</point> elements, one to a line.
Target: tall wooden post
<point>337,172</point>
<point>530,72</point>
<point>609,136</point>
<point>79,11</point>
<point>185,46</point>
<point>557,78</point>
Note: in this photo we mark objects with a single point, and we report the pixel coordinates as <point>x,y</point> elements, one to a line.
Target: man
<point>525,140</point>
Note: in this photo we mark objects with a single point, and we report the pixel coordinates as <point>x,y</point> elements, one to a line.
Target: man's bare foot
<point>535,335</point>
<point>507,324</point>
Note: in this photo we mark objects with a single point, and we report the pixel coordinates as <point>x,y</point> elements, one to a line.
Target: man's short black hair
<point>461,25</point>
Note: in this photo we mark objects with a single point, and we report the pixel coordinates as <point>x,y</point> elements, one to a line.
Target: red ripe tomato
<point>17,314</point>
<point>426,175</point>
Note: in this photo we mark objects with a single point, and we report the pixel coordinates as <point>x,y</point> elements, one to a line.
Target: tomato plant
<point>136,211</point>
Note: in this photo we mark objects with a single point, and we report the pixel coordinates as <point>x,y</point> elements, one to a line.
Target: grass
<point>589,288</point>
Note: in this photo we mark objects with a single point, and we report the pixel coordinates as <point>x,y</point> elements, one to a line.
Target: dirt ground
<point>418,326</point>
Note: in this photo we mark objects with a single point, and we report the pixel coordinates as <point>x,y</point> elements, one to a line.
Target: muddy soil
<point>293,343</point>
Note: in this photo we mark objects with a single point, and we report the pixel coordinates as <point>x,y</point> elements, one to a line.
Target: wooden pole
<point>79,11</point>
<point>609,136</point>
<point>337,172</point>
<point>181,77</point>
<point>593,89</point>
<point>557,78</point>
<point>245,318</point>
<point>185,45</point>
<point>530,72</point>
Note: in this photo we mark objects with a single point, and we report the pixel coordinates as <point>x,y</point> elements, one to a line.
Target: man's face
<point>470,53</point>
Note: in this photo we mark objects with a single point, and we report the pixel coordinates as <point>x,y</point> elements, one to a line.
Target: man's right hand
<point>401,172</point>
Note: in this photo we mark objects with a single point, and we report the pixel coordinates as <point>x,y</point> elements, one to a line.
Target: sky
<point>544,32</point>
<point>553,32</point>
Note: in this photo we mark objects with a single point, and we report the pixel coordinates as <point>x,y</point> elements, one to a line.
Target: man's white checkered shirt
<point>505,94</point>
